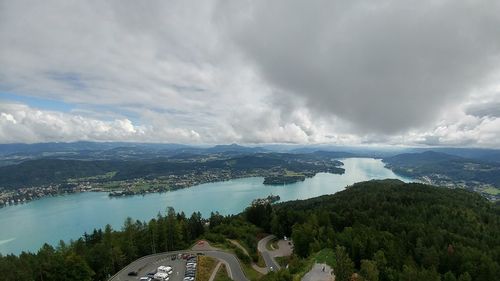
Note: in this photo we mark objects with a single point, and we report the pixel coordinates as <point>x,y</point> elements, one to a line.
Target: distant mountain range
<point>108,150</point>
<point>38,148</point>
<point>16,153</point>
<point>483,154</point>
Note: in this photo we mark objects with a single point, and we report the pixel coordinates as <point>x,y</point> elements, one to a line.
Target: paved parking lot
<point>150,264</point>
<point>178,268</point>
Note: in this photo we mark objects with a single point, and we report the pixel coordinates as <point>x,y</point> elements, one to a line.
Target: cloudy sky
<point>204,72</point>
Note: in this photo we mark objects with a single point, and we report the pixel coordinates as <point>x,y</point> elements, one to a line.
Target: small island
<point>268,200</point>
<point>285,176</point>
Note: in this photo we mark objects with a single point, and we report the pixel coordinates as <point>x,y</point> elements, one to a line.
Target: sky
<point>411,73</point>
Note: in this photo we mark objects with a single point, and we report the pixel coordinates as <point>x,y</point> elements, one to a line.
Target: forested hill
<point>399,231</point>
<point>55,171</point>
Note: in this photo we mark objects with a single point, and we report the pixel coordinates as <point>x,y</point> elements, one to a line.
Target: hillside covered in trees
<point>56,171</point>
<point>399,231</point>
<point>380,230</point>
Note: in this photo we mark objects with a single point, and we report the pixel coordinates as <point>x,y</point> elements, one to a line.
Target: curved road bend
<point>262,270</point>
<point>268,258</point>
<point>233,265</point>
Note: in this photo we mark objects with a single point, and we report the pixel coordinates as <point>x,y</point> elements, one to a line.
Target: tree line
<point>389,230</point>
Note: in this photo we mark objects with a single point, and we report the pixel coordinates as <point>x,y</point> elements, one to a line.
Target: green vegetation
<point>100,254</point>
<point>445,169</point>
<point>492,191</point>
<point>48,171</point>
<point>403,231</point>
<point>325,256</point>
<point>222,274</point>
<point>205,267</point>
<point>106,176</point>
<point>380,230</point>
<point>282,261</point>
<point>283,179</point>
<point>190,169</point>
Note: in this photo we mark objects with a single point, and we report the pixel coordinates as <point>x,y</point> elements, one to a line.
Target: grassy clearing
<point>323,256</point>
<point>222,274</point>
<point>492,190</point>
<point>205,267</point>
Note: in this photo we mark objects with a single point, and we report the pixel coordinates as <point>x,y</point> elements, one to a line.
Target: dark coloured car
<point>132,273</point>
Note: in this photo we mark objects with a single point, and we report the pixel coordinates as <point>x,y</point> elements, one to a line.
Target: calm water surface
<point>26,227</point>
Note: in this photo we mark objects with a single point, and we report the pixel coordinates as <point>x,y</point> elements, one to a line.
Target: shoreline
<point>27,195</point>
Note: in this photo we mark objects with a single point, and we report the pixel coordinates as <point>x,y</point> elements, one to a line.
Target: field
<point>492,190</point>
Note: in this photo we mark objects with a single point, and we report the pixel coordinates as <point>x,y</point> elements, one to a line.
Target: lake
<point>27,226</point>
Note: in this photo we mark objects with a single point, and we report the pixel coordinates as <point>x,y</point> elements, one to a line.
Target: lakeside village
<point>24,195</point>
<point>486,190</point>
<point>138,186</point>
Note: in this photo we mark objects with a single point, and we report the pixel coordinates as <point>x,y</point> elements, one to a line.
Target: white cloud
<point>345,72</point>
<point>20,123</point>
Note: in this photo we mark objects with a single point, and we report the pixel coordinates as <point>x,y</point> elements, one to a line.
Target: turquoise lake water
<point>26,227</point>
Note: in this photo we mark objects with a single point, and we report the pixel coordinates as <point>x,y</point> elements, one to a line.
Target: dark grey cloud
<point>385,66</point>
<point>486,109</point>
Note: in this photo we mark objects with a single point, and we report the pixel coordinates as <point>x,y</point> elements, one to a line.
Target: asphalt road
<point>319,272</point>
<point>149,263</point>
<point>266,255</point>
<point>232,263</point>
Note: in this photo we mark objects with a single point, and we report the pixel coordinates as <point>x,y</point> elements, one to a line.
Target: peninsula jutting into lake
<point>53,218</point>
<point>33,179</point>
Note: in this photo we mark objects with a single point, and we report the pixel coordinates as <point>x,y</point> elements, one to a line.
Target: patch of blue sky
<point>101,112</point>
<point>41,103</point>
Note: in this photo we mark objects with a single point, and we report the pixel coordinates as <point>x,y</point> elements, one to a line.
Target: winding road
<point>285,248</point>
<point>261,270</point>
<point>233,266</point>
<point>268,258</point>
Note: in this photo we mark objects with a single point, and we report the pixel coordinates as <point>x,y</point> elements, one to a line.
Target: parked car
<point>132,273</point>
